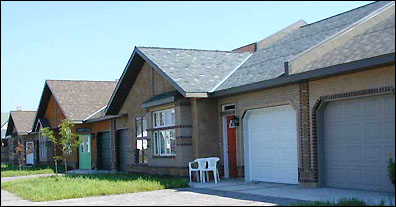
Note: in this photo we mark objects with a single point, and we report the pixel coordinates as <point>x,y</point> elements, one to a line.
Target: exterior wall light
<point>234,121</point>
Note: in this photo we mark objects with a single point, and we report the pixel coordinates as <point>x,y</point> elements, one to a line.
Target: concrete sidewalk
<point>277,190</point>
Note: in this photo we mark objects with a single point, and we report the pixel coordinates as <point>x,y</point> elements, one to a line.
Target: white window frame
<point>167,122</point>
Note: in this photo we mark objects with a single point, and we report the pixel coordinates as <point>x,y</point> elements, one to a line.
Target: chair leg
<point>198,180</point>
<point>218,175</point>
<point>207,176</point>
<point>202,176</point>
<point>190,175</point>
<point>215,175</point>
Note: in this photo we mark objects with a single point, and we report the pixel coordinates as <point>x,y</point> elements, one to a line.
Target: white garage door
<point>358,135</point>
<point>271,145</point>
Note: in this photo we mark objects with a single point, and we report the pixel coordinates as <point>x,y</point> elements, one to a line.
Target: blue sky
<point>94,40</point>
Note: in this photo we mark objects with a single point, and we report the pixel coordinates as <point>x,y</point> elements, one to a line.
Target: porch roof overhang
<point>162,99</point>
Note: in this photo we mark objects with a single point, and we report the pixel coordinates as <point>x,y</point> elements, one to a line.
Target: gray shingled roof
<point>195,70</point>
<point>23,120</point>
<point>268,62</point>
<point>375,41</point>
<point>80,99</point>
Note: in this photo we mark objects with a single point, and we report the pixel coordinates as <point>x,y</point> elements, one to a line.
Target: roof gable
<point>77,99</point>
<point>22,121</point>
<point>194,70</point>
<point>191,72</point>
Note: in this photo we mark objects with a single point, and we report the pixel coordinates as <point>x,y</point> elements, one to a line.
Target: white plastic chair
<point>212,166</point>
<point>201,165</point>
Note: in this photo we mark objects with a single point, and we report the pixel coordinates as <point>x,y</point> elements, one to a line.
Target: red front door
<point>231,137</point>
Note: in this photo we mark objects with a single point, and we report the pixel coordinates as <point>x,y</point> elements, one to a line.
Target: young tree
<point>67,140</point>
<point>50,135</point>
<point>20,153</point>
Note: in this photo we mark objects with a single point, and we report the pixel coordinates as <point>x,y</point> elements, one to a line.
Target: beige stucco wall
<point>288,94</point>
<point>148,83</point>
<point>204,131</point>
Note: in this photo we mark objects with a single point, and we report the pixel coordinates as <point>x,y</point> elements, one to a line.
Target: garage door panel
<point>272,135</point>
<point>356,146</point>
<point>389,128</point>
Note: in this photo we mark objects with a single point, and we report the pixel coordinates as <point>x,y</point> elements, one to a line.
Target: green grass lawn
<point>78,186</point>
<point>13,170</point>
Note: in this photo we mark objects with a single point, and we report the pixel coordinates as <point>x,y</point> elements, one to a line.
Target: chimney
<point>247,48</point>
<point>19,108</point>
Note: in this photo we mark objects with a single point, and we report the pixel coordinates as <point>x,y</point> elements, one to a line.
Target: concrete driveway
<point>295,192</point>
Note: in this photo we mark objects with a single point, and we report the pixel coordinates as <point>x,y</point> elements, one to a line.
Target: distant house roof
<point>78,99</point>
<point>4,122</point>
<point>268,62</point>
<point>22,121</point>
<point>4,118</point>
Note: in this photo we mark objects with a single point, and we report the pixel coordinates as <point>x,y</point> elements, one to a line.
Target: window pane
<point>144,127</point>
<point>139,144</point>
<point>155,119</point>
<point>138,127</point>
<point>173,117</point>
<point>156,143</point>
<point>172,137</point>
<point>162,142</point>
<point>145,157</point>
<point>161,118</point>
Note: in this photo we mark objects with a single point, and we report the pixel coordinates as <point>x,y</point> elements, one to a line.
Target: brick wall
<point>379,80</point>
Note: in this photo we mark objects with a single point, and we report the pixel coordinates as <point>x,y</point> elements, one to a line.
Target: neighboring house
<point>4,141</point>
<point>79,102</point>
<point>19,126</point>
<point>313,105</point>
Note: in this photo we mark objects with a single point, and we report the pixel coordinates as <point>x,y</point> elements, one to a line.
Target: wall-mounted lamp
<point>234,122</point>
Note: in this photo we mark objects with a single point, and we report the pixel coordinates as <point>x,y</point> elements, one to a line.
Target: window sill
<point>165,156</point>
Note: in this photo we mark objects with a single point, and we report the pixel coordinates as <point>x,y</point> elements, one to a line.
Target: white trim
<point>225,148</point>
<point>95,113</point>
<point>229,74</point>
<point>225,105</point>
<point>246,153</point>
<point>196,95</point>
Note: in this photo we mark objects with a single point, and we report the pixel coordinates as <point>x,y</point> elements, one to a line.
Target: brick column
<point>113,145</point>
<point>305,171</point>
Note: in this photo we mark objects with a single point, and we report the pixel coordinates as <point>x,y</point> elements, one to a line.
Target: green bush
<point>391,169</point>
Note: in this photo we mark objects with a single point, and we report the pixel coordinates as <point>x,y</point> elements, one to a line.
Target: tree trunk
<point>56,160</point>
<point>65,166</point>
<point>56,166</point>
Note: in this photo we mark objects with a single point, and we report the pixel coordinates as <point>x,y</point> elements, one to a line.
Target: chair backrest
<point>212,161</point>
<point>201,162</point>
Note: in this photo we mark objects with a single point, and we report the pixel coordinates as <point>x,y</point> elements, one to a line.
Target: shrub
<point>391,169</point>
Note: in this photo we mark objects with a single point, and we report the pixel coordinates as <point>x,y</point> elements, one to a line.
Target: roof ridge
<point>80,80</point>
<point>339,14</point>
<point>24,111</point>
<point>170,48</point>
